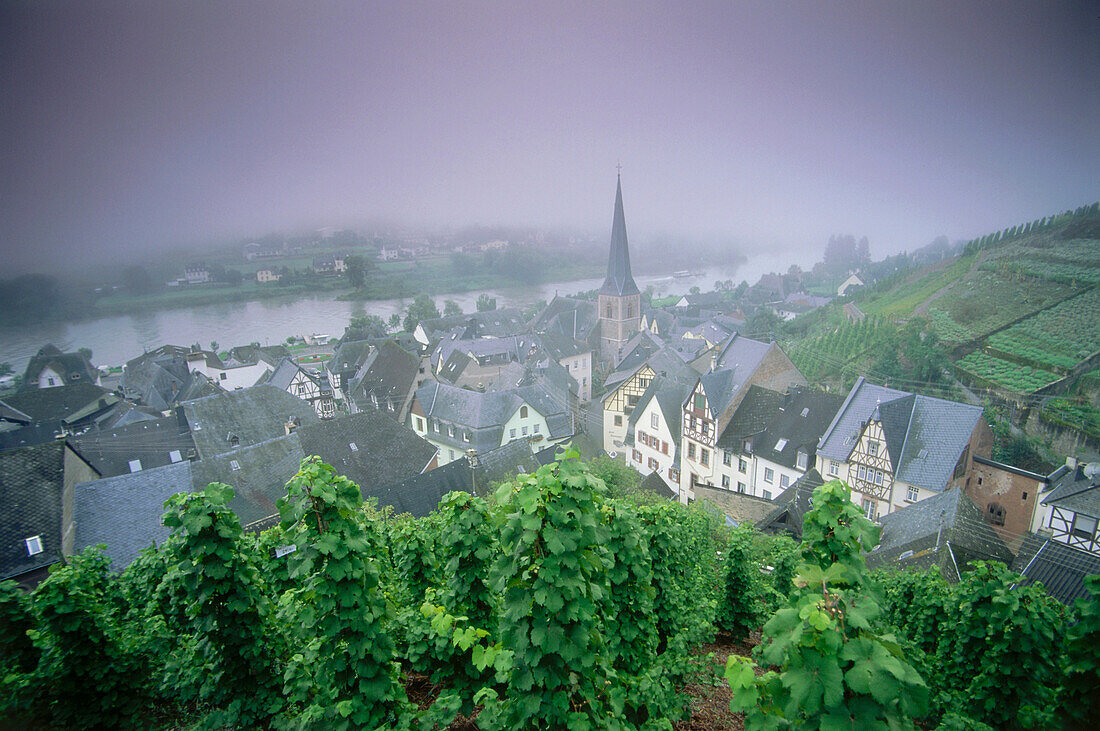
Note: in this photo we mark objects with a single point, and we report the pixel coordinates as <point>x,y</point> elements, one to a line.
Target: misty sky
<point>153,124</point>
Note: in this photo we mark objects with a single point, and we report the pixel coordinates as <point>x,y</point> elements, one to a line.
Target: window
<point>653,464</point>
<point>704,457</point>
<point>912,494</point>
<point>450,430</point>
<point>637,456</point>
<point>740,487</point>
<point>452,453</point>
<point>419,423</point>
<point>869,508</point>
<point>861,473</point>
<point>389,405</point>
<point>511,433</point>
<point>234,465</point>
<point>801,460</point>
<point>742,465</point>
<point>523,412</point>
<point>466,435</point>
<point>664,447</point>
<point>767,495</point>
<point>436,427</point>
<point>700,402</point>
<point>784,481</point>
<point>691,450</point>
<point>781,445</point>
<point>996,514</point>
<point>769,475</point>
<point>725,481</point>
<point>872,447</point>
<point>618,420</point>
<point>175,456</point>
<point>353,446</point>
<point>607,310</point>
<point>629,309</point>
<point>654,421</point>
<point>979,479</point>
<point>135,465</point>
<point>727,458</point>
<point>234,440</point>
<point>834,469</point>
<point>747,446</point>
<point>524,430</point>
<point>1083,526</point>
<point>34,545</point>
<point>537,428</point>
<point>673,474</point>
<point>222,376</point>
<point>1024,496</point>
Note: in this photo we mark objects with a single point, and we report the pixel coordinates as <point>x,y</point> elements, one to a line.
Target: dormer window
<point>234,465</point>
<point>234,440</point>
<point>135,465</point>
<point>802,460</point>
<point>781,445</point>
<point>175,456</point>
<point>34,545</point>
<point>523,412</point>
<point>352,446</point>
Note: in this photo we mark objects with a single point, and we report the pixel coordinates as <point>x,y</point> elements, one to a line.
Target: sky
<point>133,127</point>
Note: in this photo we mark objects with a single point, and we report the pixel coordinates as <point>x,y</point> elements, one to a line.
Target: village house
<point>387,381</point>
<point>1069,509</point>
<point>895,448</point>
<point>312,387</point>
<point>235,419</point>
<point>653,436</point>
<point>263,276</point>
<point>1008,496</point>
<point>329,264</point>
<point>49,368</point>
<point>714,399</point>
<point>626,386</point>
<point>196,274</point>
<point>36,524</point>
<point>461,422</point>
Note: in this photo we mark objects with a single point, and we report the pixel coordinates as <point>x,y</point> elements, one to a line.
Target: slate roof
<point>619,281</point>
<point>259,478</point>
<point>285,373</point>
<point>252,354</point>
<point>384,453</point>
<point>947,530</point>
<point>253,415</point>
<point>791,506</point>
<point>670,394</point>
<point>925,436</point>
<point>568,316</point>
<point>72,367</point>
<point>161,378</point>
<point>656,484</point>
<point>31,485</point>
<point>60,403</point>
<point>487,324</point>
<point>421,494</point>
<point>839,439</point>
<point>1060,568</point>
<point>125,511</point>
<point>1075,490</point>
<point>794,431</point>
<point>758,409</point>
<point>155,443</point>
<point>28,436</point>
<point>506,461</point>
<point>389,374</point>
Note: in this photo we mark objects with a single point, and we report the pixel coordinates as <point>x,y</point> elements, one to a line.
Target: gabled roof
<point>758,409</point>
<point>257,473</point>
<point>791,506</point>
<point>568,316</point>
<point>1076,490</point>
<point>60,403</point>
<point>938,433</point>
<point>1060,568</point>
<point>349,356</point>
<point>505,462</point>
<point>72,367</point>
<point>384,452</point>
<point>947,530</point>
<point>487,324</point>
<point>670,394</point>
<point>742,355</point>
<point>796,426</point>
<point>125,511</point>
<point>252,415</point>
<point>252,354</point>
<point>654,483</point>
<point>388,374</point>
<point>31,483</point>
<point>155,443</point>
<point>840,438</point>
<point>285,373</point>
<point>421,494</point>
<point>619,281</point>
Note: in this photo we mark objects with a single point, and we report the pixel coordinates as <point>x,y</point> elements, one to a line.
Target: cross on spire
<point>619,167</point>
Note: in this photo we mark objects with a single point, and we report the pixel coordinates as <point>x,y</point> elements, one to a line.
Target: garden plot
<point>987,302</point>
<point>989,370</point>
<point>1060,337</point>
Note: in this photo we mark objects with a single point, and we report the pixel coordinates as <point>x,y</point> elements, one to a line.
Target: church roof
<point>619,281</point>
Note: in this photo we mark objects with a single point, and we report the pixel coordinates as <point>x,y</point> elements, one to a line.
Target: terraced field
<point>903,299</point>
<point>985,368</point>
<point>1057,338</point>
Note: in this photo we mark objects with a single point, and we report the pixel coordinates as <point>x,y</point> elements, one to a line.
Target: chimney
<point>1071,463</point>
<point>292,425</point>
<point>714,361</point>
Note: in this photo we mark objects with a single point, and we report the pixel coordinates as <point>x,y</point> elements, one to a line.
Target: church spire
<point>619,281</point>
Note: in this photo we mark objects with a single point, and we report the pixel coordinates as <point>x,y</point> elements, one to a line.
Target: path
<point>922,309</point>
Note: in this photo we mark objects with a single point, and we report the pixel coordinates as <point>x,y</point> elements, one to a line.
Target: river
<point>116,339</point>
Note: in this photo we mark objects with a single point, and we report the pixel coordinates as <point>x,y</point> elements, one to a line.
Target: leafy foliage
<point>739,613</point>
<point>1080,699</point>
<point>835,671</point>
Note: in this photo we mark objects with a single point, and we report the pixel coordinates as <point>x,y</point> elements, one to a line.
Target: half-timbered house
<point>1070,509</point>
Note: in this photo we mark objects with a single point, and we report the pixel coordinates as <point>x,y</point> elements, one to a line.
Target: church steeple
<point>619,281</point>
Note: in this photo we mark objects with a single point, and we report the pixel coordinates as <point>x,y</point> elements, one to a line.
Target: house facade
<point>1070,509</point>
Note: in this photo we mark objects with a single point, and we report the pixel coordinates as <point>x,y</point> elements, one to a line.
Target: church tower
<point>620,302</point>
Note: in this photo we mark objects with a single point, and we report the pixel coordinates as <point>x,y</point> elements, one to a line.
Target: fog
<point>139,126</point>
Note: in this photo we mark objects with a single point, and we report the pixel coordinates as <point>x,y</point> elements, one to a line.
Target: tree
<point>214,345</point>
<point>695,290</point>
<point>394,322</point>
<point>5,368</point>
<point>485,303</point>
<point>451,308</point>
<point>422,308</point>
<point>136,280</point>
<point>357,268</point>
<point>764,324</point>
<point>86,352</point>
